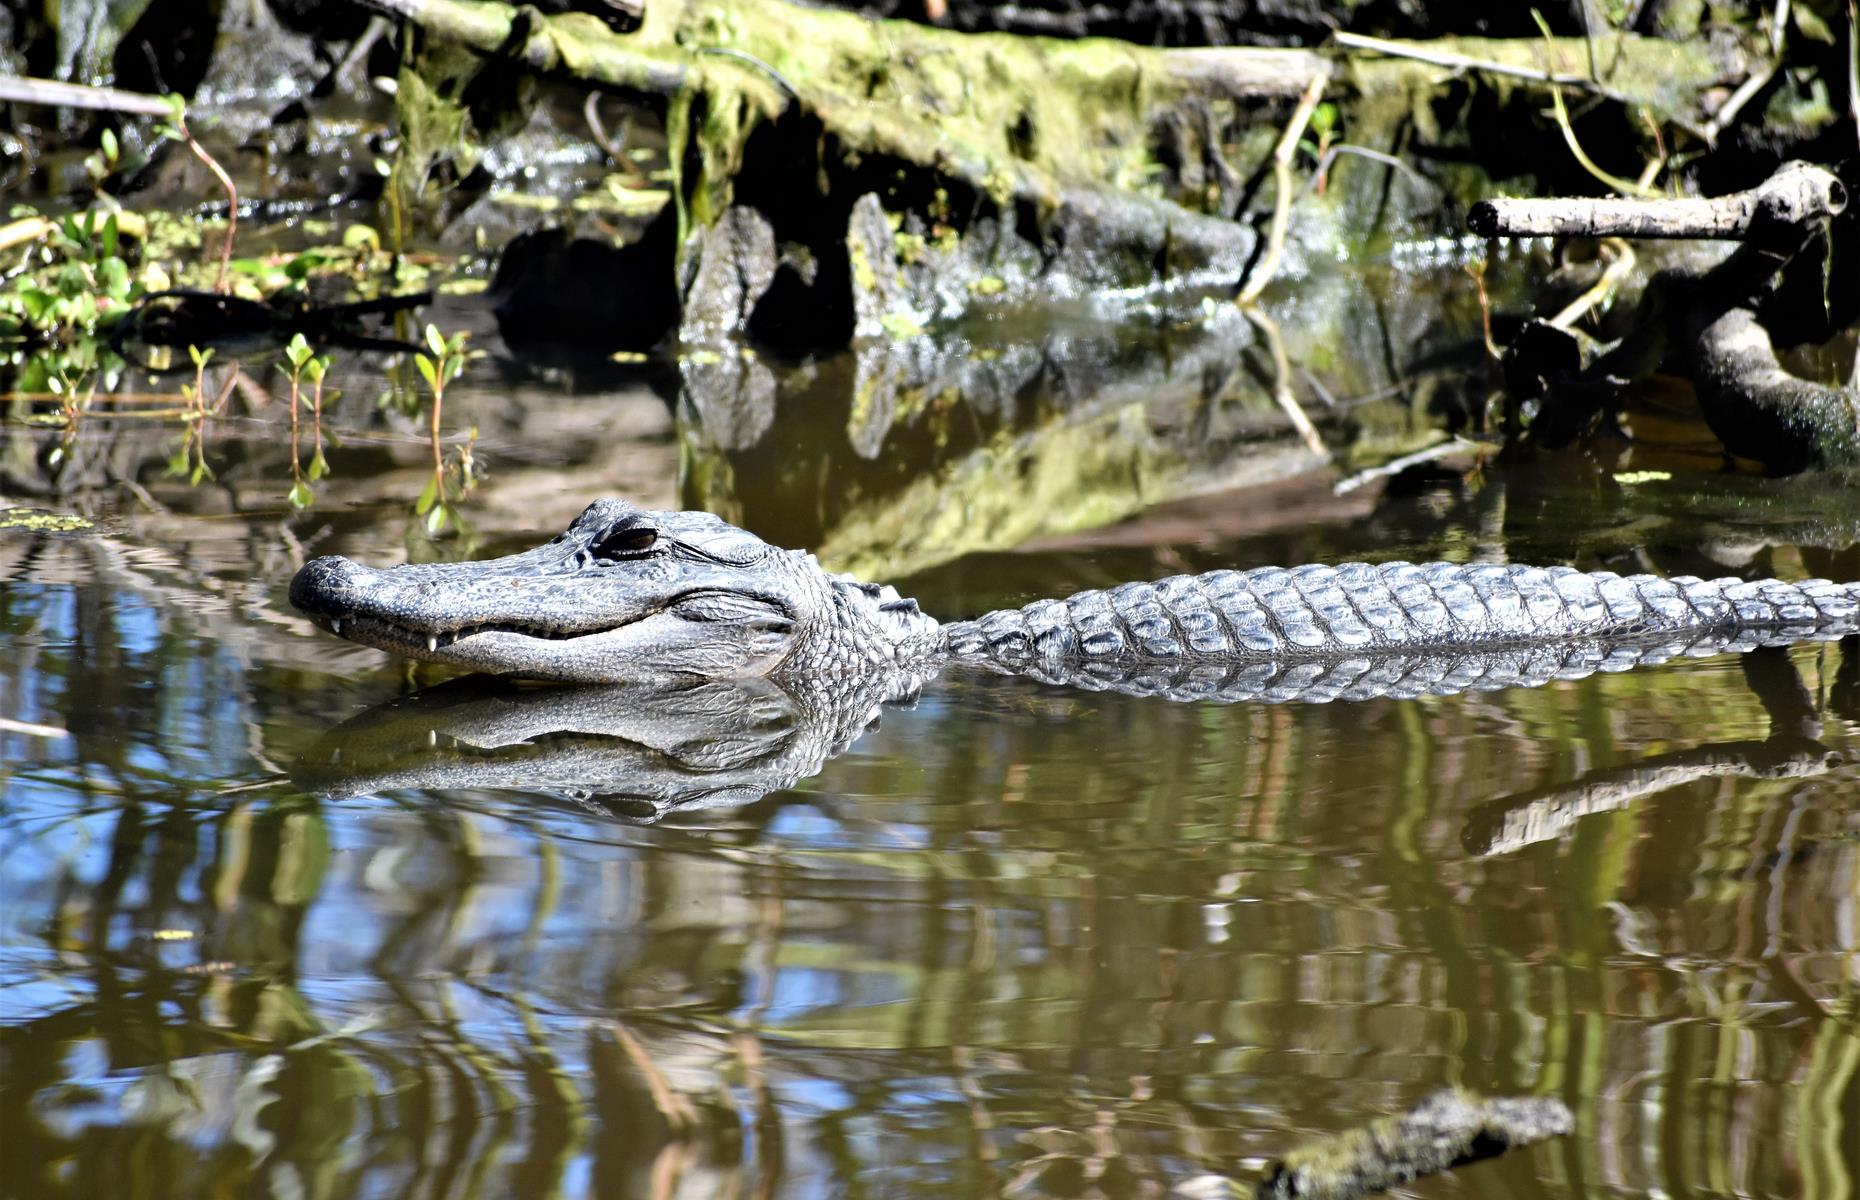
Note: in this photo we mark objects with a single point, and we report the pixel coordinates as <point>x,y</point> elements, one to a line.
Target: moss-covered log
<point>1100,163</point>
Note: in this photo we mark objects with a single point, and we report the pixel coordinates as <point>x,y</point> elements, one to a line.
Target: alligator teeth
<point>432,643</point>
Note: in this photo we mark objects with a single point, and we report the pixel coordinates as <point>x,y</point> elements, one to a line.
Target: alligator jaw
<point>431,645</point>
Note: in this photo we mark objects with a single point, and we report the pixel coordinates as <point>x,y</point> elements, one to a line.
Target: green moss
<point>42,520</point>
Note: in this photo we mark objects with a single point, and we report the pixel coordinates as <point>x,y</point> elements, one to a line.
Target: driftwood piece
<point>1448,1129</point>
<point>1796,194</point>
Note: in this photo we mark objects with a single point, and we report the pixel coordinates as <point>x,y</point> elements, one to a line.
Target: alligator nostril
<point>315,587</point>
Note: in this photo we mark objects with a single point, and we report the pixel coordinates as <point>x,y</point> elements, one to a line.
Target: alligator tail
<point>1357,611</point>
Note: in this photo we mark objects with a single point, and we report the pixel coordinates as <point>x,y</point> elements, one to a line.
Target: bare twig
<point>1795,193</point>
<point>1618,269</point>
<point>1376,156</point>
<point>1625,187</point>
<point>1282,184</point>
<point>232,200</point>
<point>1458,62</point>
<point>1755,82</point>
<point>591,113</point>
<point>1396,466</point>
<point>55,93</point>
<point>1477,271</point>
<point>1282,382</point>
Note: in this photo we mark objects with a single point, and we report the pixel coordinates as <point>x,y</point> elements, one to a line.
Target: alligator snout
<point>317,589</point>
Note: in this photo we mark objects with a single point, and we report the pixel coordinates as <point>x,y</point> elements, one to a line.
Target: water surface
<point>1012,941</point>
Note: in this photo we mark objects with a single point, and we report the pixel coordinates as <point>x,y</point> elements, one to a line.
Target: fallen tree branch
<point>1709,319</point>
<point>1795,194</point>
<point>1760,410</point>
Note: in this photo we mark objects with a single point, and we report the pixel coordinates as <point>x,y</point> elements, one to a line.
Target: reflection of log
<point>1448,1129</point>
<point>1511,824</point>
<point>1791,752</point>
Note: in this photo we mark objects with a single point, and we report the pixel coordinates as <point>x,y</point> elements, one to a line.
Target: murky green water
<point>1013,941</point>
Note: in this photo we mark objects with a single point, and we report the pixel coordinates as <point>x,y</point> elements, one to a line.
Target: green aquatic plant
<point>190,458</point>
<point>78,280</point>
<point>303,363</point>
<point>440,367</point>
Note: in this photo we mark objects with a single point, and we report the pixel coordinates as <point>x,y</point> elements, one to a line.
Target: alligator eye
<point>626,543</point>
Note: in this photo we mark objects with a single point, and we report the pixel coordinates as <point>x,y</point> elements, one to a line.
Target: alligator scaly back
<point>1356,630</point>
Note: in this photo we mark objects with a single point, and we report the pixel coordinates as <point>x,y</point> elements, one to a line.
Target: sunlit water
<point>1014,941</point>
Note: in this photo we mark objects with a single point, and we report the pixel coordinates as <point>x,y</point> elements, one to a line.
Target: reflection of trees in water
<point>1002,942</point>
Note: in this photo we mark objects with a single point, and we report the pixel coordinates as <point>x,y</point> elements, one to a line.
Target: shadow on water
<point>275,919</point>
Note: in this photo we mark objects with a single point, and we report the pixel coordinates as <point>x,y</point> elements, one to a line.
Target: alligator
<point>625,594</point>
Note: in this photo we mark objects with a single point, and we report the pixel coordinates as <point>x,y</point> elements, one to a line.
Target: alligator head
<point>625,594</point>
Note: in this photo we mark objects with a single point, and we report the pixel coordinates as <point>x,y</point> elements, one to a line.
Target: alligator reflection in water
<point>639,752</point>
<point>630,752</point>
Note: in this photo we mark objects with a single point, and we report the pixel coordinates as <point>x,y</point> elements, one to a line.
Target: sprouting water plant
<point>315,370</point>
<point>191,458</point>
<point>304,363</point>
<point>196,392</point>
<point>440,367</point>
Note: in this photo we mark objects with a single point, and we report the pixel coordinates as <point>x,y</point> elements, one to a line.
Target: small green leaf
<point>436,520</point>
<point>37,302</point>
<point>426,370</point>
<point>110,234</point>
<point>301,496</point>
<point>298,351</point>
<point>429,497</point>
<point>319,466</point>
<point>434,342</point>
<point>72,282</point>
<point>108,141</point>
<point>200,357</point>
<point>114,276</point>
<point>315,369</point>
